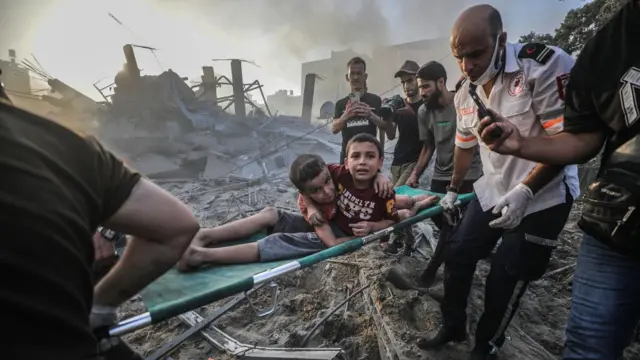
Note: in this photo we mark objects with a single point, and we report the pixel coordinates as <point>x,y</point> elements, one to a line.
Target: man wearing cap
<point>437,129</point>
<point>523,202</point>
<point>405,121</point>
<point>405,154</point>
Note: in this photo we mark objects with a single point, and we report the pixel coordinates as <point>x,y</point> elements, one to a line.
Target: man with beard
<point>358,115</point>
<point>523,202</point>
<point>437,124</point>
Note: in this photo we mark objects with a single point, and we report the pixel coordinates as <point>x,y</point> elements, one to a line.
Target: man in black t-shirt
<point>602,100</point>
<point>405,120</point>
<point>359,114</point>
<point>56,188</point>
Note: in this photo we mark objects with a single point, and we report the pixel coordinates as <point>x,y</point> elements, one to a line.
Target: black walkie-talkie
<point>483,112</point>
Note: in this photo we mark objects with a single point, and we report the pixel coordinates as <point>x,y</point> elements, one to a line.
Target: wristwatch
<point>452,189</point>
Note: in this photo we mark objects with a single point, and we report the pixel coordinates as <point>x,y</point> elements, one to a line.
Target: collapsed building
<point>168,129</point>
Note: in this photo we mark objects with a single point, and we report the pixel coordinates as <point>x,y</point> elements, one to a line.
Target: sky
<point>78,41</point>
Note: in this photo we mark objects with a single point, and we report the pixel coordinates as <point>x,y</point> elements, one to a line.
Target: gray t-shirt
<point>438,128</point>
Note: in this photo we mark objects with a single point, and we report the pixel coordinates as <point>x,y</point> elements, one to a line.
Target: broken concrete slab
<point>216,167</point>
<point>151,164</point>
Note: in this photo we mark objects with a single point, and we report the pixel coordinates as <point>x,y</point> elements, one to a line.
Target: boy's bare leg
<point>414,204</point>
<point>422,202</point>
<point>232,231</point>
<point>238,229</point>
<point>404,202</point>
<point>237,254</point>
<point>405,214</point>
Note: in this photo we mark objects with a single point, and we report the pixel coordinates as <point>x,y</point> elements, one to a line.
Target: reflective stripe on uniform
<point>541,241</point>
<point>546,124</point>
<point>465,138</point>
<point>518,291</point>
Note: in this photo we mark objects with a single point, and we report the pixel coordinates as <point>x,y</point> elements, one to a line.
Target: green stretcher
<point>175,293</point>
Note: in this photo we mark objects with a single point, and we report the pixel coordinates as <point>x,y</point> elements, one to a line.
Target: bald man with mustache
<point>523,202</point>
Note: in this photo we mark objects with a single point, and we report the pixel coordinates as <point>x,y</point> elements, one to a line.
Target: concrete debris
<point>153,164</point>
<point>216,167</point>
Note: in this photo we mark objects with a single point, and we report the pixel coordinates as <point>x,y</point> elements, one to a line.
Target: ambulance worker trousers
<point>522,257</point>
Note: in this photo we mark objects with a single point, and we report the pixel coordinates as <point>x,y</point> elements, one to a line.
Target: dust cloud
<point>301,28</point>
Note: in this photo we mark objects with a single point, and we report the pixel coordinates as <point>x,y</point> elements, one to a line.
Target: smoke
<point>301,27</point>
<point>298,27</point>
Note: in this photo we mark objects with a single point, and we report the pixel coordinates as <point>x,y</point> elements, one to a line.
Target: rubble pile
<point>230,151</point>
<point>382,323</point>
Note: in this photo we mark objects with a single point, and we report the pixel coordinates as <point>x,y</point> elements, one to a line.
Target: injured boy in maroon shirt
<point>356,203</point>
<point>346,193</point>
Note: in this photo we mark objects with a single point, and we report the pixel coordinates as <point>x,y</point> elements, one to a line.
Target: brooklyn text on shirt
<point>629,94</point>
<point>351,206</point>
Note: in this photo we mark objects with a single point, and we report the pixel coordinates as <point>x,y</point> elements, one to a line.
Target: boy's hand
<point>382,186</point>
<point>315,217</point>
<point>363,228</point>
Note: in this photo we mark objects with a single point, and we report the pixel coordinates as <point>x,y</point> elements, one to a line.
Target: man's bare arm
<point>380,123</point>
<point>393,128</point>
<point>161,227</point>
<point>562,149</point>
<point>338,124</point>
<point>582,149</point>
<point>423,159</point>
<point>541,175</point>
<point>389,129</point>
<point>462,159</point>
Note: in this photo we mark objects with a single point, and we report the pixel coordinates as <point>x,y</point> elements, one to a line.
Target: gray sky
<point>76,40</point>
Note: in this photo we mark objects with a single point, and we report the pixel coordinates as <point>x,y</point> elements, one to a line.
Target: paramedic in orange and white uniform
<point>524,203</point>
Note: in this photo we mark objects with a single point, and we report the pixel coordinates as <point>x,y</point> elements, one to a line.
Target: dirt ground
<point>306,296</point>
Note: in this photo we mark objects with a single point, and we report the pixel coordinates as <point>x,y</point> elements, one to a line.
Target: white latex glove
<point>449,200</point>
<point>102,316</point>
<point>512,206</point>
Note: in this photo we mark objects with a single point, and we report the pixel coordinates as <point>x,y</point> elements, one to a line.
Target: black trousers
<point>440,186</point>
<point>522,257</point>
